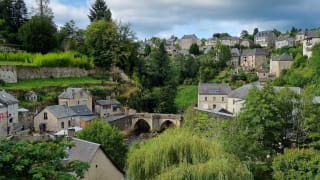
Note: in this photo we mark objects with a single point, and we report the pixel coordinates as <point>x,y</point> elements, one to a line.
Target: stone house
<point>229,41</point>
<point>83,115</point>
<point>246,42</point>
<point>237,97</point>
<point>211,42</point>
<point>31,96</point>
<point>253,58</point>
<point>108,107</point>
<point>75,96</point>
<point>265,38</point>
<point>101,167</point>
<point>312,37</point>
<point>283,41</point>
<point>8,113</point>
<point>54,118</point>
<point>300,36</point>
<point>211,96</point>
<point>235,53</point>
<point>187,40</point>
<point>279,63</point>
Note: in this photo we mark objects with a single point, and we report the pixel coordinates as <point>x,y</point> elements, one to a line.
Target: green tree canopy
<point>38,34</point>
<point>110,139</point>
<point>297,164</point>
<point>194,49</point>
<point>177,154</point>
<point>99,11</point>
<point>40,160</point>
<point>101,42</point>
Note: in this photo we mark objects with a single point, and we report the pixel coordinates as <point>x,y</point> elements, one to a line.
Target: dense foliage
<point>297,164</point>
<point>38,34</point>
<point>65,59</point>
<point>99,11</point>
<point>110,139</point>
<point>177,154</point>
<point>39,160</point>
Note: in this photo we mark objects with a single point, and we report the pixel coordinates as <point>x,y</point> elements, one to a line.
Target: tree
<point>255,31</point>
<point>14,14</point>
<point>101,42</point>
<point>39,160</point>
<point>100,11</point>
<point>178,154</point>
<point>38,34</point>
<point>260,130</point>
<point>147,50</point>
<point>294,31</point>
<point>110,139</point>
<point>66,37</point>
<point>244,33</point>
<point>297,164</point>
<point>276,32</point>
<point>194,49</point>
<point>43,9</point>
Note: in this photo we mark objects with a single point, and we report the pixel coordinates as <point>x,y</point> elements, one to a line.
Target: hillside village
<point>99,104</point>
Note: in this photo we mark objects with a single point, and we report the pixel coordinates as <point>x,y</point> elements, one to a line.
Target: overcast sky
<point>163,18</point>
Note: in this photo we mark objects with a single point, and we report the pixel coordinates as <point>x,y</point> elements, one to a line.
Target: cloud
<point>202,17</point>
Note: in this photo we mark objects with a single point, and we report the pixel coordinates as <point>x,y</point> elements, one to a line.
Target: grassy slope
<point>61,82</point>
<point>186,96</point>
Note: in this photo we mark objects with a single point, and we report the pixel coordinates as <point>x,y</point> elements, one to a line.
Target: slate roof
<point>235,52</point>
<point>61,111</point>
<point>214,89</point>
<point>190,36</point>
<point>264,33</point>
<point>7,99</point>
<point>313,34</point>
<point>242,92</point>
<point>108,102</point>
<point>255,52</point>
<point>81,110</point>
<point>283,57</point>
<point>69,92</point>
<point>83,150</point>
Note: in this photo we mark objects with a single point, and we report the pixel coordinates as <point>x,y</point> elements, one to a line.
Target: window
<point>205,98</point>
<point>62,124</point>
<point>114,108</point>
<point>214,98</point>
<point>45,115</point>
<point>214,106</point>
<point>69,123</point>
<point>222,99</point>
<point>234,101</point>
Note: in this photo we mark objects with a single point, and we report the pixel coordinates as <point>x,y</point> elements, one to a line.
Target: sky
<point>163,18</point>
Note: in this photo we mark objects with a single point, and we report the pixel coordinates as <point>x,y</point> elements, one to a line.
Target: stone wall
<point>8,74</point>
<point>24,72</point>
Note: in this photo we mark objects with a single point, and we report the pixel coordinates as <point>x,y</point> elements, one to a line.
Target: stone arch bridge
<point>155,121</point>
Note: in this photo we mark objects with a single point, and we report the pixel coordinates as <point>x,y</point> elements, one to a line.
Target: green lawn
<point>61,82</point>
<point>186,96</point>
<point>16,63</point>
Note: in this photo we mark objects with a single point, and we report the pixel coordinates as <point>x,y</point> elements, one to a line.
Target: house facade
<point>253,58</point>
<point>283,41</point>
<point>235,53</point>
<point>279,63</point>
<point>54,118</point>
<point>108,107</point>
<point>300,36</point>
<point>229,41</point>
<point>246,42</point>
<point>101,167</point>
<point>75,96</point>
<point>265,38</point>
<point>8,113</point>
<point>211,96</point>
<point>312,37</point>
<point>187,40</point>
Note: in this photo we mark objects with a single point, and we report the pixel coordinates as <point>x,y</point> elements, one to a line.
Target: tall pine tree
<point>100,11</point>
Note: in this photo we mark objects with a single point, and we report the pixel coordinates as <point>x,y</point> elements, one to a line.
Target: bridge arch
<point>167,124</point>
<point>142,126</point>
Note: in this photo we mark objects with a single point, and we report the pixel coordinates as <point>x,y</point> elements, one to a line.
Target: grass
<point>61,82</point>
<point>186,96</point>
